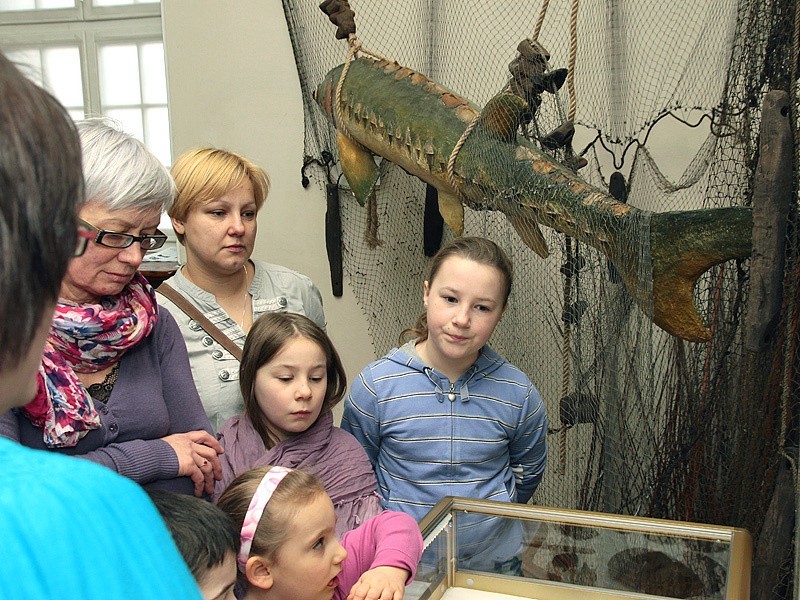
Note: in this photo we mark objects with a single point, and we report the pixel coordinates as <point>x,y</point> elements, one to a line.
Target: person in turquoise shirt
<point>68,528</point>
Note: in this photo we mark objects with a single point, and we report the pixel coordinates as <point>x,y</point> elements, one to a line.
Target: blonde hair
<point>296,490</point>
<point>205,174</point>
<point>477,249</point>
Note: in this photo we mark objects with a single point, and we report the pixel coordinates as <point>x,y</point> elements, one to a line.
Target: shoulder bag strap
<point>192,311</point>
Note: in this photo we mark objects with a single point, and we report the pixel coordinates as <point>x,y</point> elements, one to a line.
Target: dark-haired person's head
<point>206,538</point>
<point>41,186</point>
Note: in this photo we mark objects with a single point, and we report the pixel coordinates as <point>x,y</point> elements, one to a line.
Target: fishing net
<point>642,422</point>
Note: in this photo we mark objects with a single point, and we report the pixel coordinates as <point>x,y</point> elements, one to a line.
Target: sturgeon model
<point>394,112</point>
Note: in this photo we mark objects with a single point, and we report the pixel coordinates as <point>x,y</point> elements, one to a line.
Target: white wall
<point>232,83</point>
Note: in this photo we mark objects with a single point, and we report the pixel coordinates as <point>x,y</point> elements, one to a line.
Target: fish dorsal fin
<point>501,116</point>
<point>358,167</point>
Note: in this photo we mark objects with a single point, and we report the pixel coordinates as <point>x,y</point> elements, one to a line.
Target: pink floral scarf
<point>86,338</point>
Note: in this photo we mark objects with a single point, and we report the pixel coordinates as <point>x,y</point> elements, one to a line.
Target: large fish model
<point>392,111</point>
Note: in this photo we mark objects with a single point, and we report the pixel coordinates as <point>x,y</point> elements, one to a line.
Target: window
<point>98,57</point>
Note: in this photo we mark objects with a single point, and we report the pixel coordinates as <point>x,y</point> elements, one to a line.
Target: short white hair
<point>120,171</point>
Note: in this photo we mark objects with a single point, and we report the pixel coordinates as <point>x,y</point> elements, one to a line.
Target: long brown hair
<point>266,338</point>
<point>478,249</point>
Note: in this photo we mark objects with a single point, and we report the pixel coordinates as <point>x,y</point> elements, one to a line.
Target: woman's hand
<point>197,458</point>
<point>380,583</point>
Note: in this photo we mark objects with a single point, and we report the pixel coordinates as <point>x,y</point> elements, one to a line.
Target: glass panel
<point>122,2</point>
<point>119,75</point>
<point>29,61</point>
<point>62,74</point>
<point>130,120</point>
<point>156,133</point>
<point>142,111</point>
<point>10,5</point>
<point>550,554</point>
<point>598,557</point>
<point>432,568</point>
<point>55,68</point>
<point>154,75</point>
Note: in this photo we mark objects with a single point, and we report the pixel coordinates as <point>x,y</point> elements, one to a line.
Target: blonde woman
<point>214,216</point>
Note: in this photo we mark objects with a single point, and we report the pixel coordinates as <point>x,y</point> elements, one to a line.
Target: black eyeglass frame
<point>157,240</point>
<point>84,235</point>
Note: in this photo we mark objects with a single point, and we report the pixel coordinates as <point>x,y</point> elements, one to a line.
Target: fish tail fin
<point>683,246</point>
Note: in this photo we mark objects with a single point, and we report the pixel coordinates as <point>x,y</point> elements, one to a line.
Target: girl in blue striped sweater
<point>445,415</point>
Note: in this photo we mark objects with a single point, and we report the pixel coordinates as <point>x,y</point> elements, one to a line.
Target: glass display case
<point>497,550</point>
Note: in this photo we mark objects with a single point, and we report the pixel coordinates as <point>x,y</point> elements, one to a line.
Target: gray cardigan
<point>154,396</point>
<point>216,372</point>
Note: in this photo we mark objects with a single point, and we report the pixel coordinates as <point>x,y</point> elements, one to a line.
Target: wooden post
<point>772,196</point>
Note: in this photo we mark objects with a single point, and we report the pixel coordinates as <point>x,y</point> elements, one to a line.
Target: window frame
<point>87,27</point>
<point>84,11</point>
<point>87,36</point>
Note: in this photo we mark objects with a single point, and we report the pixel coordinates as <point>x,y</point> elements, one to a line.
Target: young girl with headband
<point>289,550</point>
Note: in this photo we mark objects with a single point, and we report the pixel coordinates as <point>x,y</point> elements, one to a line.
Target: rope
<point>706,381</point>
<point>790,352</point>
<point>371,233</point>
<point>451,162</point>
<point>538,28</point>
<point>355,47</point>
<point>565,337</point>
<point>573,52</point>
<point>795,44</point>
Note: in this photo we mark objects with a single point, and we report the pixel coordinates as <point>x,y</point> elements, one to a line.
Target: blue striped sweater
<point>428,438</point>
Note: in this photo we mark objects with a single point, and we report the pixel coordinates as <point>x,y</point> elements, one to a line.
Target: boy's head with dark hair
<point>206,538</point>
<point>41,187</point>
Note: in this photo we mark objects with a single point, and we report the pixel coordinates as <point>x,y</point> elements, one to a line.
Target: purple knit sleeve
<point>186,411</point>
<point>143,461</point>
<point>156,379</point>
<point>154,396</point>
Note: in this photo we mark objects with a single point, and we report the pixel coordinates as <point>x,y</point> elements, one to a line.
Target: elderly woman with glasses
<point>115,385</point>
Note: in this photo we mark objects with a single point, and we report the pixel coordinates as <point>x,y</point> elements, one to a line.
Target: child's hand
<point>380,583</point>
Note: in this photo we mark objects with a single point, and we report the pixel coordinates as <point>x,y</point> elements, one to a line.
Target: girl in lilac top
<point>291,378</point>
<point>289,549</point>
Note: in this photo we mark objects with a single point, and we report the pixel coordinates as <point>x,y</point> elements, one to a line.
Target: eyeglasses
<point>112,239</point>
<point>84,235</point>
